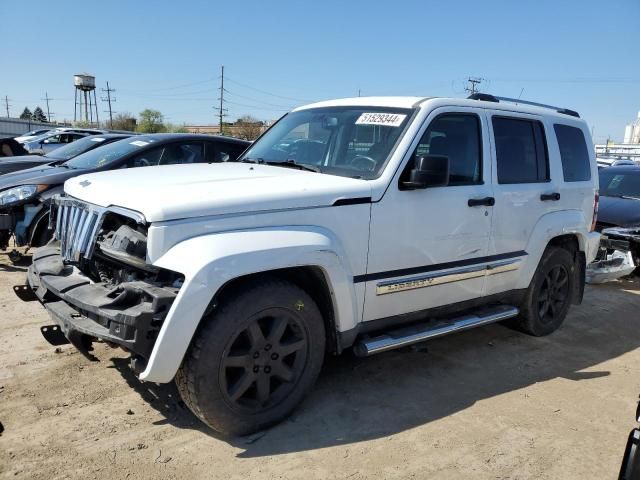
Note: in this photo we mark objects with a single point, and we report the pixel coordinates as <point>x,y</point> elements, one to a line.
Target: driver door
<point>428,247</point>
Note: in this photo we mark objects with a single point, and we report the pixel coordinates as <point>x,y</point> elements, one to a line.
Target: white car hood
<point>183,191</point>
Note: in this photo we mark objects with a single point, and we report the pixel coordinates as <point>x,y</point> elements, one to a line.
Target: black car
<point>59,155</point>
<point>25,195</point>
<point>619,210</point>
<point>619,197</point>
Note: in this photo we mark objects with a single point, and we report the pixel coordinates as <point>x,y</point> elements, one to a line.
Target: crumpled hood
<point>623,212</point>
<point>183,191</point>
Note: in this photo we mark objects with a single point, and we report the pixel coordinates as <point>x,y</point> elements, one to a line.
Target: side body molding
<point>210,261</point>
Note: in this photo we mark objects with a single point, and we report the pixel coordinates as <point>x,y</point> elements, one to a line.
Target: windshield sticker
<point>97,139</point>
<point>139,143</point>
<point>386,119</point>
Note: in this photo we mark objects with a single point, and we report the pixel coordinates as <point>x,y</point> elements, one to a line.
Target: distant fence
<point>13,127</point>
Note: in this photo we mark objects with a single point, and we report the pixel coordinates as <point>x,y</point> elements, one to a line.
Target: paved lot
<point>486,404</point>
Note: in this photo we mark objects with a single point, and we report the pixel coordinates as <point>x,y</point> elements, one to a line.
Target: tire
<point>254,358</point>
<point>549,295</point>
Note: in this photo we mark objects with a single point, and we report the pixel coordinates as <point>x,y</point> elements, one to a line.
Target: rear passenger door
<point>524,190</point>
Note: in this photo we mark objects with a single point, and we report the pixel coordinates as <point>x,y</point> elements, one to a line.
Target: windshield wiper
<point>629,197</point>
<point>252,160</point>
<point>290,163</point>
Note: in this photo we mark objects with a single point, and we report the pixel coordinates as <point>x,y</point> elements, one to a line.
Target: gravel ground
<point>490,403</point>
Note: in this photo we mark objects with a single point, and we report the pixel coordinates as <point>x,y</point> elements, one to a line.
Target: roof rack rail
<point>491,98</point>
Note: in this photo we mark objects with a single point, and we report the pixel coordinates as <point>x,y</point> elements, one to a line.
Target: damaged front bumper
<point>618,257</point>
<point>129,314</point>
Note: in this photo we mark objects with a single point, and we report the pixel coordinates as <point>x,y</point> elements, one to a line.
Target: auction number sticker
<point>139,143</point>
<point>387,119</point>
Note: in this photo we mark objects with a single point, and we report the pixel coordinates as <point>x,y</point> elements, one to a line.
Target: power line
<point>472,84</point>
<point>46,98</point>
<point>109,100</point>
<point>222,109</point>
<point>265,92</point>
<point>288,107</point>
<point>256,107</point>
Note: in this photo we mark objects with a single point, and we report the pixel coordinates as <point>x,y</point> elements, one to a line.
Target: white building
<point>632,132</point>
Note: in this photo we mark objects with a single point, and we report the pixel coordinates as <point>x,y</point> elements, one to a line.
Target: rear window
<point>573,152</point>
<point>521,150</point>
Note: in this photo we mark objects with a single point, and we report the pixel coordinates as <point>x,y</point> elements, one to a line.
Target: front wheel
<point>254,358</point>
<point>549,295</point>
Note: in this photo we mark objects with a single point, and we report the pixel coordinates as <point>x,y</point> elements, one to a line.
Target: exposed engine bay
<point>94,280</point>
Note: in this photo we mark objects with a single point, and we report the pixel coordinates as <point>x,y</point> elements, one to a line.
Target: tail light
<point>596,202</point>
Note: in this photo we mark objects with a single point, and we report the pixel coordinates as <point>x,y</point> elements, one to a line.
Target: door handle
<point>479,202</point>
<point>550,196</point>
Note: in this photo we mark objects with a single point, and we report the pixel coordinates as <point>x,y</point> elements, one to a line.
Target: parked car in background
<point>25,137</point>
<point>619,223</point>
<point>613,162</point>
<point>59,155</point>
<point>364,223</point>
<point>25,195</point>
<point>10,148</point>
<point>52,140</point>
<point>619,197</point>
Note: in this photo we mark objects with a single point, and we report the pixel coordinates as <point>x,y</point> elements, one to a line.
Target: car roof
<point>112,135</point>
<point>415,102</point>
<point>168,137</point>
<point>635,169</point>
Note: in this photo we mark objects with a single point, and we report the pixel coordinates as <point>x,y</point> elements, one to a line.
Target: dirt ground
<point>490,403</point>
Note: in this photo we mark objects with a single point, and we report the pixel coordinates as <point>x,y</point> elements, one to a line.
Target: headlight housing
<point>20,194</point>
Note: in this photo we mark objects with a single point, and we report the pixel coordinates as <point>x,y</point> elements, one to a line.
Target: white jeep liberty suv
<point>363,223</point>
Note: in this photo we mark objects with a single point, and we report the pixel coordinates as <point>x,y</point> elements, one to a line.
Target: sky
<point>166,55</point>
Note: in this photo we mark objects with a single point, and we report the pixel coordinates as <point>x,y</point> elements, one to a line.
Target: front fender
<point>210,261</point>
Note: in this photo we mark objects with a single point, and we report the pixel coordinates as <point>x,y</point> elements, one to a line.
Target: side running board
<point>418,333</point>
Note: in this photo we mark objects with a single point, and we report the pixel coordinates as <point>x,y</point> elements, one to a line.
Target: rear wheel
<point>254,358</point>
<point>549,295</point>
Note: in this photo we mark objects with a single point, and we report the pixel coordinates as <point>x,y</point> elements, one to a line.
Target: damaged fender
<point>208,262</point>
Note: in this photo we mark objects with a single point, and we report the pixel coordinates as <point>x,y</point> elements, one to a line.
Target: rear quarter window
<point>573,153</point>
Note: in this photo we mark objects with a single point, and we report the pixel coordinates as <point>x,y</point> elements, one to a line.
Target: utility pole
<point>46,98</point>
<point>109,100</point>
<point>6,104</point>
<point>472,84</point>
<point>221,113</point>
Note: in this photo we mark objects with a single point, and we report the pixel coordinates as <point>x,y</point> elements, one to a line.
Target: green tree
<point>150,121</point>
<point>26,114</point>
<point>39,116</point>
<point>170,127</point>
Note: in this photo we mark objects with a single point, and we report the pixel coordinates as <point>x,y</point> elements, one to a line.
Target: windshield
<point>619,184</point>
<point>76,148</point>
<point>101,157</point>
<point>346,141</point>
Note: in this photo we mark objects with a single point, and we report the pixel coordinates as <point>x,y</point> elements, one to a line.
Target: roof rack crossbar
<point>492,98</point>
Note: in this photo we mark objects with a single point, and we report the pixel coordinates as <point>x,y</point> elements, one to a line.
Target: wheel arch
<point>311,278</point>
<point>214,263</point>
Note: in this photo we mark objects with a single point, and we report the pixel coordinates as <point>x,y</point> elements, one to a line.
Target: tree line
<point>153,121</point>
<point>37,115</point>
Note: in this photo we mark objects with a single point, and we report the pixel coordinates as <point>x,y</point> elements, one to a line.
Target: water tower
<point>85,86</point>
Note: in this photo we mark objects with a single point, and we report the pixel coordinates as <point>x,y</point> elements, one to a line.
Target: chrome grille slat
<point>77,226</point>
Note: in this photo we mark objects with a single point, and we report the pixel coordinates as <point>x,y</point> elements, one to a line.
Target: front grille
<point>77,225</point>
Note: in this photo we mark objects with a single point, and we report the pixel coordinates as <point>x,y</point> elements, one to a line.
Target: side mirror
<point>428,171</point>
